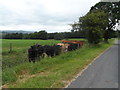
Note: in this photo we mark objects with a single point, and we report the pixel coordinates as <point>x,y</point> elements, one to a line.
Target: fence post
<point>10,47</point>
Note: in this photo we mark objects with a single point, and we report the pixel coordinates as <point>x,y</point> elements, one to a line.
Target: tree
<point>42,35</point>
<point>51,35</point>
<point>59,36</point>
<point>13,36</point>
<point>113,10</point>
<point>93,23</point>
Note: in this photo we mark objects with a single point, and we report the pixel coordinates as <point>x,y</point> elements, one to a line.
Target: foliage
<point>75,34</point>
<point>59,36</point>
<point>51,35</point>
<point>43,35</point>
<point>36,35</point>
<point>118,32</point>
<point>13,36</point>
<point>113,10</point>
<point>93,24</point>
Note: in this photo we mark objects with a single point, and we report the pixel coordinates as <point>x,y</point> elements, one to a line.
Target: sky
<point>36,15</point>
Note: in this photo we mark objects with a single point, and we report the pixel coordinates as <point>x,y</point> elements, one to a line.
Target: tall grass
<point>52,72</point>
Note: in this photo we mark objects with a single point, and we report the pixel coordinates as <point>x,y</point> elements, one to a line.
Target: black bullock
<point>39,50</point>
<point>52,50</point>
<point>57,49</point>
<point>49,50</point>
<point>34,52</point>
<point>72,47</point>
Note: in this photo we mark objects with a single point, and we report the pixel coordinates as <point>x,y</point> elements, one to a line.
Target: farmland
<point>19,50</point>
<point>49,72</point>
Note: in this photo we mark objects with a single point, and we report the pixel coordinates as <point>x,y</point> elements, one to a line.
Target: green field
<point>20,45</point>
<point>19,50</point>
<point>49,72</point>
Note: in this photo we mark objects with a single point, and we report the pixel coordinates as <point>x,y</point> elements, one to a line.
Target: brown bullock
<point>73,41</point>
<point>64,46</point>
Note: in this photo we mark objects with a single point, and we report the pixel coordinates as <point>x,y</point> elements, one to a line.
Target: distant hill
<point>16,31</point>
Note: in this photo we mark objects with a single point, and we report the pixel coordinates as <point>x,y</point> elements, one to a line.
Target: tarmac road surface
<point>102,73</point>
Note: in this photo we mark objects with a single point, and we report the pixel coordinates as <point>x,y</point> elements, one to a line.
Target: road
<point>102,73</point>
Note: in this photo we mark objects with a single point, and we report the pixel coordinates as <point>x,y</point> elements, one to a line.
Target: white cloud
<point>54,15</point>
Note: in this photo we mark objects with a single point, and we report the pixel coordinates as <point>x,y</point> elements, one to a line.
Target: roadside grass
<point>54,72</point>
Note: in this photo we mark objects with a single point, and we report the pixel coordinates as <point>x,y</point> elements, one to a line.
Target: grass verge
<point>52,72</point>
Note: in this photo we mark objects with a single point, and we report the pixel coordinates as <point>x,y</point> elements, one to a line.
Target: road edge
<point>80,73</point>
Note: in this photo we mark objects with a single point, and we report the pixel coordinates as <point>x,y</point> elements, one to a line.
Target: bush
<point>59,36</point>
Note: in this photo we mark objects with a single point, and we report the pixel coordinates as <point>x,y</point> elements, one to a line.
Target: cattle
<point>34,52</point>
<point>52,50</point>
<point>72,47</point>
<point>64,46</point>
<point>49,50</point>
<point>80,43</point>
<point>73,44</point>
<point>38,51</point>
<point>57,49</point>
<point>69,46</point>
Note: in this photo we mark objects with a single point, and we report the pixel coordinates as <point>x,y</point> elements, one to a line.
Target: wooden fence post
<point>10,47</point>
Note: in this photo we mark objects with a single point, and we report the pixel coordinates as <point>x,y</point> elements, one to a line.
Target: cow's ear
<point>31,46</point>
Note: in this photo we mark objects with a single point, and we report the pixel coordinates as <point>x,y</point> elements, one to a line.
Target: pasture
<point>21,45</point>
<point>19,50</point>
<point>49,72</point>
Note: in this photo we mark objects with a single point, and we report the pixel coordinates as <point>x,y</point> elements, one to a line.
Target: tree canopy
<point>93,24</point>
<point>113,11</point>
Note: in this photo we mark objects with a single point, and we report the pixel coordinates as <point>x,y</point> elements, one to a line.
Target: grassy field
<point>49,72</point>
<point>20,45</point>
<point>19,50</point>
